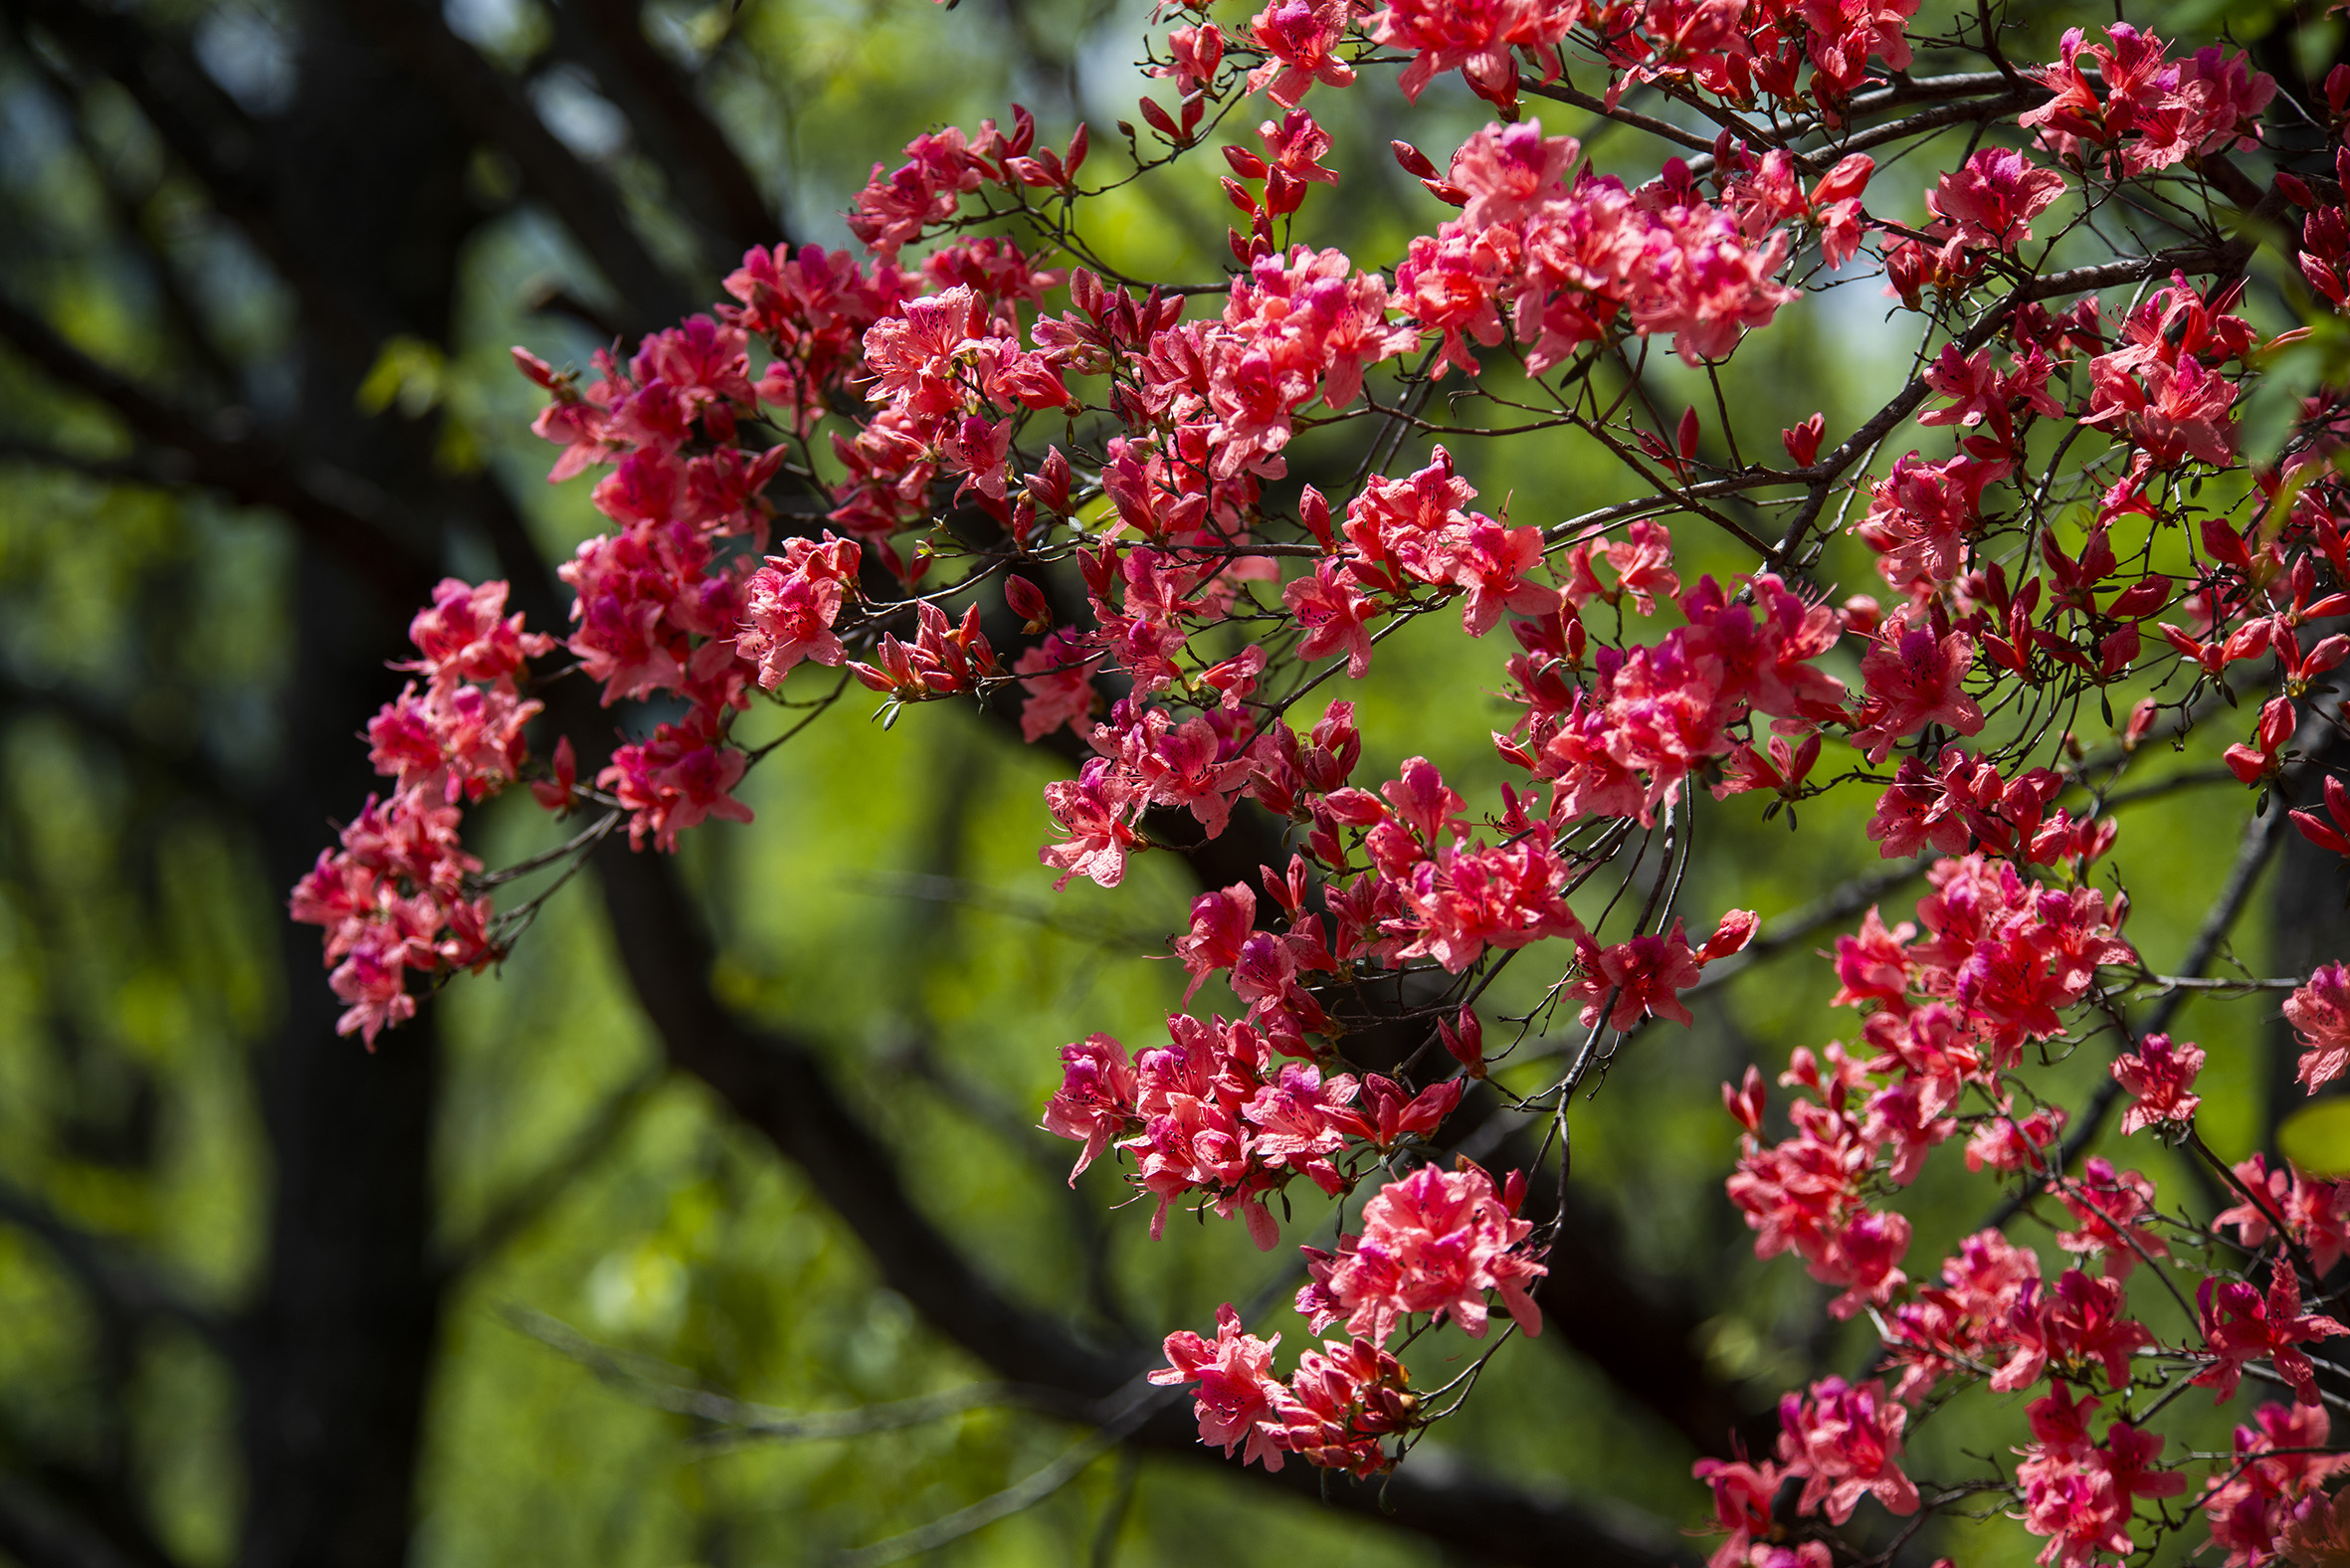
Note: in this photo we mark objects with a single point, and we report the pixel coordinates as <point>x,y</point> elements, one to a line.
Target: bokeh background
<point>760,1120</point>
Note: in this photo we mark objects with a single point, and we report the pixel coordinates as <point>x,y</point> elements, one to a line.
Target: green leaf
<point>2317,1138</point>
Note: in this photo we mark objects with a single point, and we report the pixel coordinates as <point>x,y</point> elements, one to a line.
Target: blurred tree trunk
<point>369,211</point>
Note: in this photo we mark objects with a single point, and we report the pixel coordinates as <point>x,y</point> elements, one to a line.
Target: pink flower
<point>1451,283</point>
<point>1491,563</point>
<point>2160,1075</point>
<point>1700,280</point>
<point>2171,411</point>
<point>1197,52</point>
<point>1302,1121</point>
<point>2240,1326</point>
<point>1922,516</point>
<point>2078,1319</point>
<point>2320,1015</point>
<point>455,738</point>
<point>463,637</point>
<point>1220,923</point>
<point>1844,1443</point>
<point>1434,1242</point>
<point>1059,680</point>
<point>1090,812</point>
<point>1991,198</point>
<point>1341,1400</point>
<point>2007,1143</point>
<point>1914,677</point>
<point>1742,1496</point>
<point>1509,171</point>
<point>791,605</point>
<point>1300,39</point>
<point>1636,979</point>
<point>1460,900</point>
<point>1965,1319</point>
<point>1476,38</point>
<point>2314,1213</point>
<point>2082,1494</point>
<point>1239,1398</point>
<point>2110,1204</point>
<point>1334,614</point>
<point>675,781</point>
<point>2279,1461</point>
<point>1863,1256</point>
<point>892,210</point>
<point>1096,1098</point>
<point>1643,563</point>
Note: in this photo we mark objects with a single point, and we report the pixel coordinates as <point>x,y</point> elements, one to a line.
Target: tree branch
<point>491,107</point>
<point>515,1213</point>
<point>343,512</point>
<point>39,1535</point>
<point>121,1285</point>
<point>704,172</point>
<point>778,1086</point>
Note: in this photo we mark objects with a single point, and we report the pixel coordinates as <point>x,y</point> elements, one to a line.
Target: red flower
<point>2320,1015</point>
<point>2240,1326</point>
<point>1846,1444</point>
<point>1991,198</point>
<point>2160,1075</point>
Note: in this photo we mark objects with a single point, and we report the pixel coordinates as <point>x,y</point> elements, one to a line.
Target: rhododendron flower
<point>2078,1319</point>
<point>1434,1242</point>
<point>1643,563</point>
<point>1922,515</point>
<point>1238,1396</point>
<point>1096,1098</point>
<point>1742,1495</point>
<point>2110,1204</point>
<point>2080,1495</point>
<point>467,636</point>
<point>2241,1325</point>
<point>1462,901</point>
<point>674,782</point>
<point>1341,1400</point>
<point>1091,810</point>
<point>2159,1074</point>
<point>1991,200</point>
<point>1334,614</point>
<point>1844,1443</point>
<point>1300,40</point>
<point>1636,979</point>
<point>2320,1015</point>
<point>2278,1461</point>
<point>1057,677</point>
<point>1916,676</point>
<point>791,604</point>
<point>2315,1213</point>
<point>1475,38</point>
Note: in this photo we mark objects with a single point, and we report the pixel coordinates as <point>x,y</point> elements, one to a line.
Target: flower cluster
<point>2088,519</point>
<point>1568,259</point>
<point>393,898</point>
<point>1211,1112</point>
<point>1436,1242</point>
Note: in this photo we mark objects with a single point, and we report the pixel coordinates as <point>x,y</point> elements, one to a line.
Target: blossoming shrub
<point>1043,485</point>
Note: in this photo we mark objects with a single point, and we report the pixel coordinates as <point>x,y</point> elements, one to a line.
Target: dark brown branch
<point>780,1086</point>
<point>344,513</point>
<point>121,1285</point>
<point>186,767</point>
<point>513,1214</point>
<point>705,172</point>
<point>38,1533</point>
<point>2080,280</point>
<point>492,106</point>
